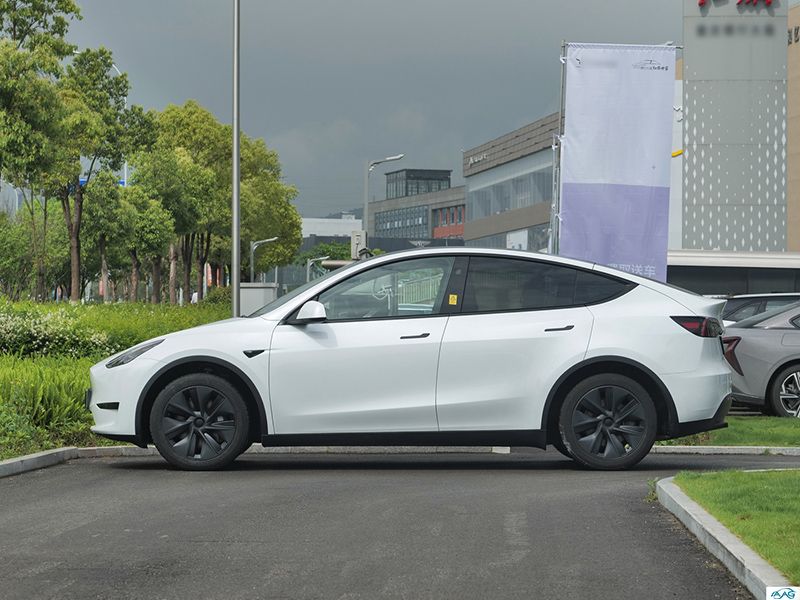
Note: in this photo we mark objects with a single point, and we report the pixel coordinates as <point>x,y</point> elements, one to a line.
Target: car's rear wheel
<point>785,395</point>
<point>608,422</point>
<point>200,422</point>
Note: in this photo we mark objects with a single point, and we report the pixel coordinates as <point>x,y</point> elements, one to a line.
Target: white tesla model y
<point>445,346</point>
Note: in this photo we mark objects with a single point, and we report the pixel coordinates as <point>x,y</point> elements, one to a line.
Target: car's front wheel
<point>200,422</point>
<point>608,422</point>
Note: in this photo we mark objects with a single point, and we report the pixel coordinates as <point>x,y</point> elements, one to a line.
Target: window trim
<point>457,287</point>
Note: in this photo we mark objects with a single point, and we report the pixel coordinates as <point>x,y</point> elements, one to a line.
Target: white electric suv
<point>444,346</point>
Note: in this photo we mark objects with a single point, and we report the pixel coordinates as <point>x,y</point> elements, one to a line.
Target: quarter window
<point>403,289</point>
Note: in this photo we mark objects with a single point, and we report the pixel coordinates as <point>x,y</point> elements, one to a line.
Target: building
<point>419,205</point>
<point>734,126</point>
<point>410,182</point>
<point>342,226</point>
<point>793,129</point>
<point>509,188</point>
<point>735,189</point>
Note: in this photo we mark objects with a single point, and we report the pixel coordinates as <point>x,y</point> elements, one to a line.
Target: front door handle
<point>564,328</point>
<point>414,337</point>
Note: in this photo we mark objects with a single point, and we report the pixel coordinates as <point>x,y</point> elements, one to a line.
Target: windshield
<point>758,319</point>
<point>275,304</point>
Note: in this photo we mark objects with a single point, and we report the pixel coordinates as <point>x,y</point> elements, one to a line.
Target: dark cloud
<point>329,84</point>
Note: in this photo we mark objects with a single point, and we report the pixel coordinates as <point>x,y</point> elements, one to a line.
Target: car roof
<point>766,295</point>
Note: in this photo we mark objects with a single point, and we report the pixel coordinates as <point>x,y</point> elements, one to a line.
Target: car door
<point>522,325</point>
<point>371,365</point>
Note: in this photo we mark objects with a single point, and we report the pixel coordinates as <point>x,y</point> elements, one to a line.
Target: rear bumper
<point>715,422</point>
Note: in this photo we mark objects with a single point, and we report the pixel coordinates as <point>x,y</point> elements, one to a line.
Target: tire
<point>784,397</point>
<point>558,444</point>
<point>200,422</point>
<point>608,422</point>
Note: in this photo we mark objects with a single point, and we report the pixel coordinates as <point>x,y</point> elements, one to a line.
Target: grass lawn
<point>761,508</point>
<point>747,431</point>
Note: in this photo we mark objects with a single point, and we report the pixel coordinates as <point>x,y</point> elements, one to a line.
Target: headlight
<point>129,355</point>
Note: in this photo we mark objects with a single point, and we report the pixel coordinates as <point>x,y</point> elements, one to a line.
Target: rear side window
<point>501,284</point>
<point>591,288</point>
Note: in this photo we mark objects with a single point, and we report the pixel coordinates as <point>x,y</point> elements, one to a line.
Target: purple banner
<point>621,226</point>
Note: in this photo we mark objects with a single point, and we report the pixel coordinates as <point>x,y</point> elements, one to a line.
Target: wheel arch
<point>199,364</point>
<point>773,377</point>
<point>665,406</point>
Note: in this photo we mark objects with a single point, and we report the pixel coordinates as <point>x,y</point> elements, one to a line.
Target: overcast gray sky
<point>330,83</point>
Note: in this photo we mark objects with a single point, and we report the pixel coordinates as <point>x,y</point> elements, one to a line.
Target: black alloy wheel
<point>608,422</point>
<point>199,422</point>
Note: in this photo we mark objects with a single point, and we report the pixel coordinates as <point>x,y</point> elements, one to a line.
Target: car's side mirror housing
<point>311,312</point>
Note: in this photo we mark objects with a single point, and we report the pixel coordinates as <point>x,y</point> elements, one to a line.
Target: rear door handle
<point>414,337</point>
<point>564,328</point>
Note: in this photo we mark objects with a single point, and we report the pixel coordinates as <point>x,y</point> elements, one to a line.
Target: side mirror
<point>311,312</point>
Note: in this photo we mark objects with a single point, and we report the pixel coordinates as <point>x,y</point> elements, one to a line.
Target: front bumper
<point>114,396</point>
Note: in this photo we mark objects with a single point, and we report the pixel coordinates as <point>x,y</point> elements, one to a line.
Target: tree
<point>103,220</point>
<point>153,228</point>
<point>91,137</point>
<point>39,25</point>
<point>15,260</point>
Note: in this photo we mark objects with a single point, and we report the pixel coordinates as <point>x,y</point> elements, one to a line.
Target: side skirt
<point>515,437</point>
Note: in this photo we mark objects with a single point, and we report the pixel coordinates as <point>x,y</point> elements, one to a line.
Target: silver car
<point>764,354</point>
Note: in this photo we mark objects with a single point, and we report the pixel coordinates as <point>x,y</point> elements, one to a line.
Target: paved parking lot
<point>525,525</point>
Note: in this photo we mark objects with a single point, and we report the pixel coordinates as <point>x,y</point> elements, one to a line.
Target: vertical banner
<point>615,156</point>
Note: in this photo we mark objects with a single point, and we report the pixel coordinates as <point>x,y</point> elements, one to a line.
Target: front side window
<point>502,284</point>
<point>403,289</point>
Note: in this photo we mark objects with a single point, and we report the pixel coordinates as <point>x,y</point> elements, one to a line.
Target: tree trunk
<point>203,250</point>
<point>135,274</point>
<point>73,219</point>
<point>187,251</point>
<point>103,267</point>
<point>214,275</point>
<point>173,273</point>
<point>155,298</point>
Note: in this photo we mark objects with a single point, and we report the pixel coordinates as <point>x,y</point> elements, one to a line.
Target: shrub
<point>94,330</point>
<point>219,295</point>
<point>41,404</point>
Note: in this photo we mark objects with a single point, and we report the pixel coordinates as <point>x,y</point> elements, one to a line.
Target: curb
<point>48,458</point>
<point>751,450</point>
<point>748,567</point>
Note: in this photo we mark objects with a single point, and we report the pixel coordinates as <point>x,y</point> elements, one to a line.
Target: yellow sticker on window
<point>453,299</point>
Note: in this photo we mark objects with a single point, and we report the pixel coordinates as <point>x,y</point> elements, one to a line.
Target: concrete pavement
<point>524,525</point>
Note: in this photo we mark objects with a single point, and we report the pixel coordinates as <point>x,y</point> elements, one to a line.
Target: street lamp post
<point>253,246</point>
<point>236,259</point>
<point>371,164</point>
<point>310,262</point>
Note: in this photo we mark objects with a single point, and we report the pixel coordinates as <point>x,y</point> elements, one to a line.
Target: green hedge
<point>41,404</point>
<point>94,330</point>
<point>45,354</point>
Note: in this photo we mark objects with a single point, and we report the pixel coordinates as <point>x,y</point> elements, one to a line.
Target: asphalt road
<point>528,525</point>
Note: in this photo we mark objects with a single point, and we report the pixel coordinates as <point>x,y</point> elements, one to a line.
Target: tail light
<point>728,347</point>
<point>700,326</point>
